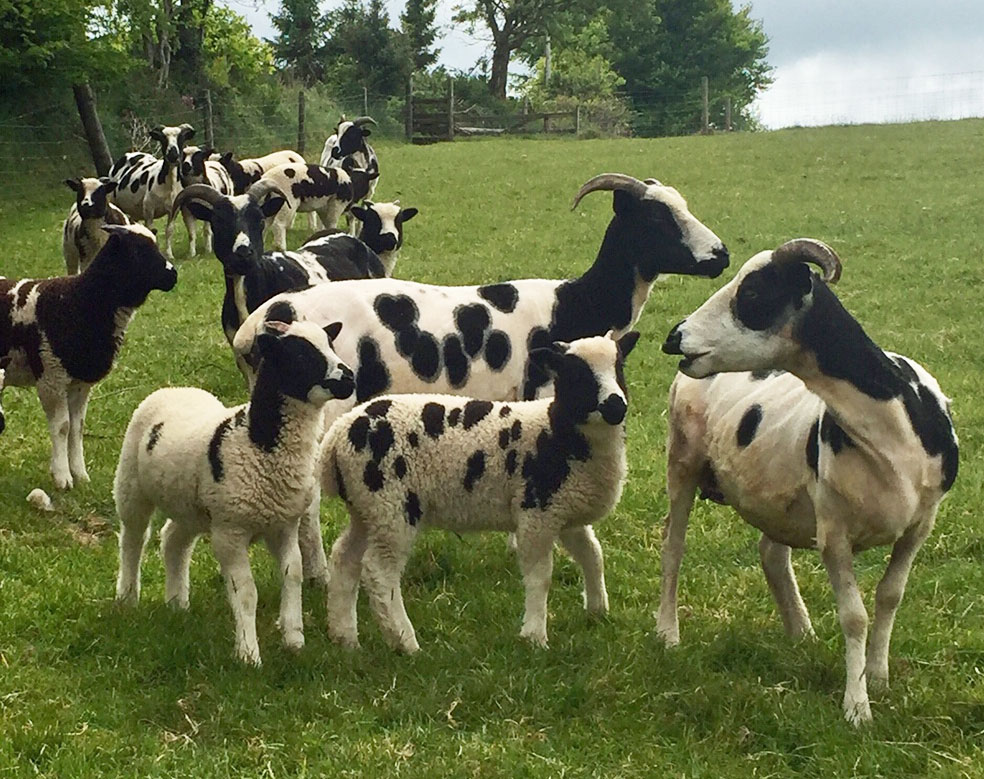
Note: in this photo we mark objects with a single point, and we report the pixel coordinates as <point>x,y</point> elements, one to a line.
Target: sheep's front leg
<point>135,514</point>
<point>283,544</point>
<point>281,221</point>
<point>342,592</point>
<point>315,563</point>
<point>889,594</point>
<point>838,558</point>
<point>389,550</point>
<point>177,546</point>
<point>534,548</point>
<point>682,488</point>
<point>582,545</point>
<point>191,225</point>
<point>231,547</point>
<point>778,568</point>
<point>54,401</point>
<point>78,404</point>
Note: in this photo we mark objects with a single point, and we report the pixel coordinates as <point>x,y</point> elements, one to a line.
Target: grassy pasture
<point>87,689</point>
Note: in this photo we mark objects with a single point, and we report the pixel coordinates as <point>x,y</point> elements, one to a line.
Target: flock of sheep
<point>492,407</point>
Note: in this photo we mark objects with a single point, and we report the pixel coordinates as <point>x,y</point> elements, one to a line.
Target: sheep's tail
<point>331,475</point>
<point>125,482</point>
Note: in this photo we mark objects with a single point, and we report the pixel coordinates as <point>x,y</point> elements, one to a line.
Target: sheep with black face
<point>544,469</point>
<point>786,410</point>
<point>82,233</point>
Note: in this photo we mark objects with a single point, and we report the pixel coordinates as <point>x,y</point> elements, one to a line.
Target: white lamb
<point>237,474</point>
<point>544,469</point>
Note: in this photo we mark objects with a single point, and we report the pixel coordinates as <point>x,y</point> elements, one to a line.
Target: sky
<point>836,61</point>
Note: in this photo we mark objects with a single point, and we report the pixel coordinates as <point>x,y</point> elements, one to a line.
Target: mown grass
<point>88,689</point>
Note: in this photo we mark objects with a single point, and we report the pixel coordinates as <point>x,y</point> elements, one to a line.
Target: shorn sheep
<point>545,469</point>
<point>828,443</point>
<point>82,233</point>
<point>401,336</point>
<point>63,334</point>
<point>235,473</point>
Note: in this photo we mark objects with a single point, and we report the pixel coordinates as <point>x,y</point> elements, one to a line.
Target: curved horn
<point>359,121</point>
<point>196,192</point>
<point>260,189</point>
<point>611,182</point>
<point>813,251</point>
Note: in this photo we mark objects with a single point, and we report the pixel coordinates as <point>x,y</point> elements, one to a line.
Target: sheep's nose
<point>613,409</point>
<point>672,344</point>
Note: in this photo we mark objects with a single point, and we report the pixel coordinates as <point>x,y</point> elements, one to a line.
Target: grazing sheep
<point>63,334</point>
<point>828,443</point>
<point>82,233</point>
<point>233,473</point>
<point>544,469</point>
<point>406,337</point>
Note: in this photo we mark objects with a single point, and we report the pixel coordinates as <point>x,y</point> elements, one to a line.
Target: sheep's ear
<point>187,132</point>
<point>272,206</point>
<point>407,214</point>
<point>359,213</point>
<point>226,158</point>
<point>333,330</point>
<point>5,361</point>
<point>366,132</point>
<point>548,358</point>
<point>73,184</point>
<point>627,342</point>
<point>272,332</point>
<point>157,133</point>
<point>108,184</point>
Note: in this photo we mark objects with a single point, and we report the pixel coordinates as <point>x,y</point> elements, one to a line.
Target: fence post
<point>408,110</point>
<point>704,112</point>
<point>577,119</point>
<point>300,122</point>
<point>727,114</point>
<point>450,109</point>
<point>85,101</point>
<point>365,100</point>
<point>209,129</point>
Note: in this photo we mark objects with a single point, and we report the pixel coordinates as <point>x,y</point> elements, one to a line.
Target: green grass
<point>88,689</point>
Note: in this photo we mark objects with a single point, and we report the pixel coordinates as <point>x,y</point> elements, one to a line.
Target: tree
<point>511,24</point>
<point>417,23</point>
<point>298,48</point>
<point>363,50</point>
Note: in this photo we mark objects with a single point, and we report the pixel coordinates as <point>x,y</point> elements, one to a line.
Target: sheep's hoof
<point>81,476</point>
<point>669,636</point>
<point>63,482</point>
<point>345,640</point>
<point>858,712</point>
<point>250,657</point>
<point>294,641</point>
<point>178,603</point>
<point>127,599</point>
<point>877,677</point>
<point>537,638</point>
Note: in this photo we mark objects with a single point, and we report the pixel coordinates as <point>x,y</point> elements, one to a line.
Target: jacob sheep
<point>82,233</point>
<point>406,337</point>
<point>63,334</point>
<point>545,469</point>
<point>199,167</point>
<point>347,148</point>
<point>828,443</point>
<point>247,172</point>
<point>146,186</point>
<point>235,473</point>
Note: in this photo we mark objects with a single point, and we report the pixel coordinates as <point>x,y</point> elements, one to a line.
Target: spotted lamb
<point>236,474</point>
<point>544,469</point>
<point>82,233</point>
<point>828,443</point>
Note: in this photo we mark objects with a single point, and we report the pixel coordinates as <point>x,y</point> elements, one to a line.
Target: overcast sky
<point>835,60</point>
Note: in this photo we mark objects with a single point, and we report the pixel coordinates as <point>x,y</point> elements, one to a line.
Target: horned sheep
<point>235,473</point>
<point>199,166</point>
<point>401,336</point>
<point>247,172</point>
<point>63,334</point>
<point>815,436</point>
<point>347,148</point>
<point>82,233</point>
<point>545,469</point>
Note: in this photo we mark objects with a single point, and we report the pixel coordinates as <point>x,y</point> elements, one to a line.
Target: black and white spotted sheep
<point>62,335</point>
<point>82,233</point>
<point>328,192</point>
<point>401,336</point>
<point>145,185</point>
<point>199,166</point>
<point>247,172</point>
<point>347,148</point>
<point>234,473</point>
<point>816,437</point>
<point>544,469</point>
<point>252,276</point>
<point>380,228</point>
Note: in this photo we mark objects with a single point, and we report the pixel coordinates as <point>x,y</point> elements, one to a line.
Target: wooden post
<point>577,119</point>
<point>85,101</point>
<point>300,122</point>
<point>365,100</point>
<point>727,114</point>
<point>704,111</point>
<point>209,129</point>
<point>408,110</point>
<point>450,109</point>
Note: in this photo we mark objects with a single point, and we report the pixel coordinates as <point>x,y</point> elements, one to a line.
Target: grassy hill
<point>88,689</point>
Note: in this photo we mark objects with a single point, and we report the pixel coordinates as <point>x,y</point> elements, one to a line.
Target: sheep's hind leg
<point>682,488</point>
<point>534,549</point>
<point>231,547</point>
<point>778,568</point>
<point>386,560</point>
<point>582,545</point>
<point>888,596</point>
<point>78,404</point>
<point>177,546</point>
<point>54,401</point>
<point>342,591</point>
<point>135,514</point>
<point>283,544</point>
<point>315,563</point>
